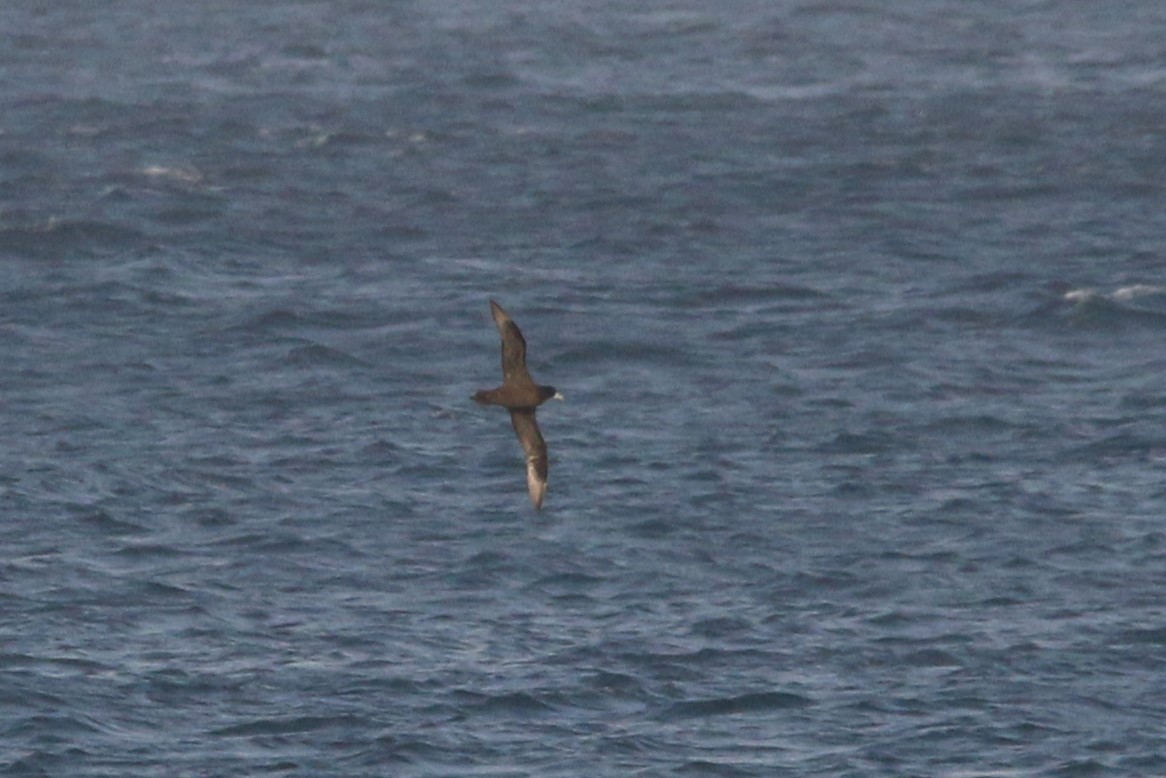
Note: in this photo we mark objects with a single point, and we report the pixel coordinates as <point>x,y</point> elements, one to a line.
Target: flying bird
<point>520,395</point>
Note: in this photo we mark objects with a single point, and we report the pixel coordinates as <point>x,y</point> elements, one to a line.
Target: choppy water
<point>859,314</point>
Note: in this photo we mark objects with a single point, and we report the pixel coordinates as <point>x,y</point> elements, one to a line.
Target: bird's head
<point>549,393</point>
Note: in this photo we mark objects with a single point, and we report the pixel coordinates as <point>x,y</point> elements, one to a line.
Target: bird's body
<point>520,395</point>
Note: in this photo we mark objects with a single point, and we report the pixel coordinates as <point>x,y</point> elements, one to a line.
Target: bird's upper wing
<point>535,449</point>
<point>513,347</point>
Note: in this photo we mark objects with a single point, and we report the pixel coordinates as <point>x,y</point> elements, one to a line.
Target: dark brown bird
<point>520,395</point>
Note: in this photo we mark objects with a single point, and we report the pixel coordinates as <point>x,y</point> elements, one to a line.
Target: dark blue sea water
<point>859,309</point>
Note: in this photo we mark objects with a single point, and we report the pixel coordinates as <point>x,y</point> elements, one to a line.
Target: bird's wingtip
<point>536,484</point>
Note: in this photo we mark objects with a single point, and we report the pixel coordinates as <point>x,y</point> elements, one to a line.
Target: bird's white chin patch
<point>558,396</point>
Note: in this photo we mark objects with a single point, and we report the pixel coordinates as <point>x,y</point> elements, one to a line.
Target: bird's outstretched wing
<point>513,347</point>
<point>535,449</point>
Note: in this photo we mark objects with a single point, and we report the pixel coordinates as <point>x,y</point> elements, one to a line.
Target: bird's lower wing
<point>535,449</point>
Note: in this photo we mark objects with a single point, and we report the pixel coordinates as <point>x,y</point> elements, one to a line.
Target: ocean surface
<point>859,309</point>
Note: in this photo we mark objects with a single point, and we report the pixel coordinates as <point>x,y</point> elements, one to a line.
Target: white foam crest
<point>1137,290</point>
<point>1121,294</point>
<point>186,175</point>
